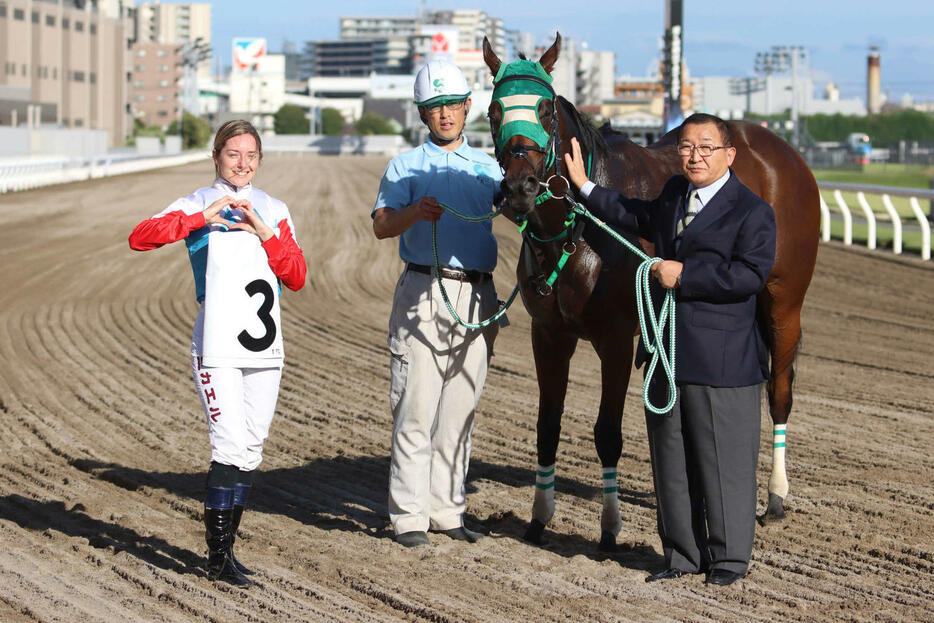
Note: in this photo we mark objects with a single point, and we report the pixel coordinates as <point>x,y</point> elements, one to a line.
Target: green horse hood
<point>518,88</point>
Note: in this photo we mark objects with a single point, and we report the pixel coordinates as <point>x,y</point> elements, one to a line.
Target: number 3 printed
<point>259,344</point>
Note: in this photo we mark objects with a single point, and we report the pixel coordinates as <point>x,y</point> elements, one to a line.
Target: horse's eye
<point>545,109</point>
<point>494,113</point>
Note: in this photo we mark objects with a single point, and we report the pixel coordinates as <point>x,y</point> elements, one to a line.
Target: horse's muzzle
<point>520,192</point>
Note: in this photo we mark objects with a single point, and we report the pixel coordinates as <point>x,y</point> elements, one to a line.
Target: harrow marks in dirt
<point>105,449</point>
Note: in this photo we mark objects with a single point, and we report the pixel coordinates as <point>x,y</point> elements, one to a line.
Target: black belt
<point>473,276</point>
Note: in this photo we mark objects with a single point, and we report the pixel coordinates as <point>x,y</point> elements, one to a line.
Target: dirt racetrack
<point>104,449</point>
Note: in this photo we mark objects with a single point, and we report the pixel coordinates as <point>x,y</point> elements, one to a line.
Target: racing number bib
<point>242,327</point>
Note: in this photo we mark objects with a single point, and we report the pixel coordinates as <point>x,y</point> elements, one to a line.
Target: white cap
<point>438,82</point>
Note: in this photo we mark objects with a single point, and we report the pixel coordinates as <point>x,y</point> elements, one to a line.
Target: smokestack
<point>873,82</point>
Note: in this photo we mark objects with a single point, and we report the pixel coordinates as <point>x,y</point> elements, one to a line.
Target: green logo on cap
<point>438,84</point>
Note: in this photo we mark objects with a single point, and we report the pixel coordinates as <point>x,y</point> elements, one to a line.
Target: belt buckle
<point>455,273</point>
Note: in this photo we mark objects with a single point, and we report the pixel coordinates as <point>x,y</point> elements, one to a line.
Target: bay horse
<point>590,293</point>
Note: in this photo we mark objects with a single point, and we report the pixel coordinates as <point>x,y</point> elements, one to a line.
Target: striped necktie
<point>690,214</point>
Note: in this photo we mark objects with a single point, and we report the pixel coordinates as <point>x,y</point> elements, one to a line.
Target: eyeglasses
<point>705,151</point>
<point>452,106</point>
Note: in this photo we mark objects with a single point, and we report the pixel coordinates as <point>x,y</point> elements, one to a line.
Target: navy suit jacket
<point>727,251</point>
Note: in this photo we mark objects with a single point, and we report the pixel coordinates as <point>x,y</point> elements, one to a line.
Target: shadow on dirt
<point>337,493</point>
<point>74,522</point>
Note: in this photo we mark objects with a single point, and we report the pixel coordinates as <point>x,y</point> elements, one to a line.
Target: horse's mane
<point>591,140</point>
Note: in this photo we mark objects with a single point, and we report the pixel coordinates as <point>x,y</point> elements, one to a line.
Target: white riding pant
<point>437,373</point>
<point>239,404</point>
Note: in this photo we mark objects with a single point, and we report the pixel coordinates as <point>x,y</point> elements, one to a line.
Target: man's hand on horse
<point>428,209</point>
<point>667,272</point>
<point>575,164</point>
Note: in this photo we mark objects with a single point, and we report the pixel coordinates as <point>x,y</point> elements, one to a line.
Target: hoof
<point>608,542</point>
<point>535,533</point>
<point>775,511</point>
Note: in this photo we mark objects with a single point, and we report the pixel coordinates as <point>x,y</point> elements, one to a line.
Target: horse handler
<point>241,248</point>
<point>717,241</point>
<point>437,367</point>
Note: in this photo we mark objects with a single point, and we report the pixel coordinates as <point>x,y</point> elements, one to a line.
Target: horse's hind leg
<point>553,349</point>
<point>784,336</point>
<point>615,366</point>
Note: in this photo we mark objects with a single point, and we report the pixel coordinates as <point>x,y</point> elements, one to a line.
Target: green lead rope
<point>444,295</point>
<point>665,318</point>
<point>647,317</point>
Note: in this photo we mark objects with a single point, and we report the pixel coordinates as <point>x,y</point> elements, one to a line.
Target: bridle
<point>551,152</point>
<point>556,186</point>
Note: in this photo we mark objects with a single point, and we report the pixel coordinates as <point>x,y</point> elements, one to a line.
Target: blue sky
<point>720,37</point>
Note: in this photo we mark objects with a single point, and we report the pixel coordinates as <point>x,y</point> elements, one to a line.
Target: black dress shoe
<point>723,577</point>
<point>415,538</point>
<point>463,534</point>
<point>667,574</point>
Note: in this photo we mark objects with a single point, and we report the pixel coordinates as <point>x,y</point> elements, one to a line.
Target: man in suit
<point>717,242</point>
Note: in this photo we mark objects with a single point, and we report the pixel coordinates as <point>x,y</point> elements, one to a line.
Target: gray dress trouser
<point>704,454</point>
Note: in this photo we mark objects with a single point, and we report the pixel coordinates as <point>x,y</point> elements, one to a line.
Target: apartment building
<point>155,22</point>
<point>68,60</point>
<point>154,81</point>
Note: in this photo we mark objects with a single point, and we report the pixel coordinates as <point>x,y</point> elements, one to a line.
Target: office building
<point>356,57</point>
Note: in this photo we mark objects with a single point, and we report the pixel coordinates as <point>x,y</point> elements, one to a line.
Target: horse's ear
<point>492,61</point>
<point>550,57</point>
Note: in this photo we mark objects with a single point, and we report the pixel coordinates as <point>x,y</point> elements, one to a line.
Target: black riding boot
<point>219,536</point>
<point>234,524</point>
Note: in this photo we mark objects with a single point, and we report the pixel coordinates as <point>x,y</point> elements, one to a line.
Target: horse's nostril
<point>530,185</point>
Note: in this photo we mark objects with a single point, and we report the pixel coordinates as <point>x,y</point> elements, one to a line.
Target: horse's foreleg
<point>553,350</point>
<point>785,338</point>
<point>615,366</point>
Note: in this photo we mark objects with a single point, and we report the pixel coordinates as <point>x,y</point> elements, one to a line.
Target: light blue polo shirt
<point>465,179</point>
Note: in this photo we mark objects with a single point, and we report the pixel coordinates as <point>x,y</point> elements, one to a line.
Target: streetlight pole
<point>746,86</point>
<point>767,64</point>
<point>779,60</point>
<point>192,54</point>
<point>313,114</point>
<point>794,98</point>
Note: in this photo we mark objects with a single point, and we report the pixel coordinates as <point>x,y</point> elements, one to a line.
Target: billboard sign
<point>247,53</point>
<point>442,43</point>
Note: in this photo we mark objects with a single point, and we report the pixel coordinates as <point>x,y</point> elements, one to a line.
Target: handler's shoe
<point>414,538</point>
<point>463,534</point>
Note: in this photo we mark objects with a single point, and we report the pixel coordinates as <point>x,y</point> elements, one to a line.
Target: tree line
<point>291,119</point>
<point>883,129</point>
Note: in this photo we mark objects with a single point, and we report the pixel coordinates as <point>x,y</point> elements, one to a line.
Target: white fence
<point>27,172</point>
<point>887,214</point>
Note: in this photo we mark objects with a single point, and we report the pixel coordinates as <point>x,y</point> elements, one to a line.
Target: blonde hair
<point>232,128</point>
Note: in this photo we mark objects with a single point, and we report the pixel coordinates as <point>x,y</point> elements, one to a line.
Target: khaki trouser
<point>437,373</point>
